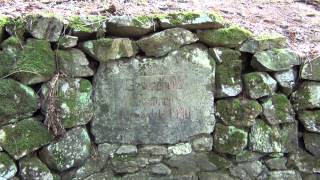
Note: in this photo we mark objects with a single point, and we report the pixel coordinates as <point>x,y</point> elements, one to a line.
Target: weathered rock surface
<point>246,155</point>
<point>277,163</point>
<point>259,84</point>
<point>7,166</point>
<point>312,143</point>
<point>163,42</point>
<point>74,102</point>
<point>268,139</point>
<point>304,162</point>
<point>284,175</point>
<point>275,60</point>
<point>180,149</point>
<point>130,26</point>
<point>67,41</point>
<point>263,42</point>
<point>35,62</point>
<point>32,168</point>
<point>215,176</point>
<point>107,150</point>
<point>307,96</point>
<point>232,36</point>
<point>17,101</point>
<point>287,80</point>
<point>310,70</point>
<point>229,139</point>
<point>310,120</point>
<point>203,143</point>
<point>72,150</point>
<point>73,63</point>
<point>127,163</point>
<point>23,137</point>
<point>191,20</point>
<point>220,161</point>
<point>238,112</point>
<point>45,27</point>
<point>160,169</point>
<point>247,170</point>
<point>127,149</point>
<point>228,72</point>
<point>154,101</point>
<point>278,109</point>
<point>106,49</point>
<point>87,26</point>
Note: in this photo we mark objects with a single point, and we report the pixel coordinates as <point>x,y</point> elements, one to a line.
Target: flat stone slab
<point>154,100</point>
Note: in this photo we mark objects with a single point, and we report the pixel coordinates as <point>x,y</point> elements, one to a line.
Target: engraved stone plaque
<point>154,100</point>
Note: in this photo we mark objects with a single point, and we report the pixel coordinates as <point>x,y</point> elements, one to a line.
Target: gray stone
<point>307,96</point>
<point>238,112</point>
<point>105,175</point>
<point>203,143</point>
<point>72,150</point>
<point>128,163</point>
<point>24,137</point>
<point>275,60</point>
<point>180,149</point>
<point>163,42</point>
<point>228,72</point>
<point>107,150</point>
<point>310,120</point>
<point>7,166</point>
<point>154,150</point>
<point>67,41</point>
<point>267,139</point>
<point>311,176</point>
<point>215,176</point>
<point>32,168</point>
<point>127,149</point>
<point>264,42</point>
<point>247,170</point>
<point>154,101</point>
<point>44,27</point>
<point>229,139</point>
<point>17,101</point>
<point>106,49</point>
<point>248,156</point>
<point>312,143</point>
<point>310,70</point>
<point>304,162</point>
<point>73,104</point>
<point>160,169</point>
<point>259,84</point>
<point>277,163</point>
<point>135,26</point>
<point>284,175</point>
<point>278,109</point>
<point>146,176</point>
<point>8,58</point>
<point>286,80</point>
<point>87,27</point>
<point>220,161</point>
<point>73,63</point>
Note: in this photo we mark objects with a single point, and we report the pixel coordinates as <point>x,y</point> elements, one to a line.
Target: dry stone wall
<point>177,96</point>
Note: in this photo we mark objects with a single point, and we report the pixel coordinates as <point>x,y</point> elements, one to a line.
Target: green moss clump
<point>282,106</point>
<point>142,21</point>
<point>88,24</point>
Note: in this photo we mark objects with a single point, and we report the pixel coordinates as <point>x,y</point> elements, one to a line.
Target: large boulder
<point>263,42</point>
<point>17,101</point>
<point>275,60</point>
<point>307,96</point>
<point>154,101</point>
<point>232,36</point>
<point>23,137</point>
<point>238,112</point>
<point>73,100</point>
<point>310,120</point>
<point>228,72</point>
<point>259,84</point>
<point>106,49</point>
<point>310,70</point>
<point>7,166</point>
<point>163,42</point>
<point>70,151</point>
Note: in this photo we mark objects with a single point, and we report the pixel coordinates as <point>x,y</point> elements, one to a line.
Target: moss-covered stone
<point>229,139</point>
<point>32,168</point>
<point>219,161</point>
<point>131,26</point>
<point>278,109</point>
<point>106,49</point>
<point>228,72</point>
<point>191,20</point>
<point>17,27</point>
<point>268,139</point>
<point>232,36</point>
<point>304,162</point>
<point>74,102</point>
<point>263,42</point>
<point>310,120</point>
<point>35,62</point>
<point>307,96</point>
<point>161,43</point>
<point>73,63</point>
<point>238,112</point>
<point>259,84</point>
<point>23,137</point>
<point>7,166</point>
<point>278,163</point>
<point>67,41</point>
<point>312,143</point>
<point>275,60</point>
<point>287,80</point>
<point>247,155</point>
<point>72,150</point>
<point>4,20</point>
<point>85,26</point>
<point>248,170</point>
<point>17,101</point>
<point>311,70</point>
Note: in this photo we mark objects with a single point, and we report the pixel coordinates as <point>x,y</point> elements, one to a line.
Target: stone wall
<point>177,96</point>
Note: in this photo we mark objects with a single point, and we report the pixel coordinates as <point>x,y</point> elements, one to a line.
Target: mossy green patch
<point>219,161</point>
<point>88,24</point>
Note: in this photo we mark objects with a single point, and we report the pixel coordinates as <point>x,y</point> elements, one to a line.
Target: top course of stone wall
<point>174,96</point>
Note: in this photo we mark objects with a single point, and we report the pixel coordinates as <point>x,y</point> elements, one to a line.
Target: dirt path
<point>299,21</point>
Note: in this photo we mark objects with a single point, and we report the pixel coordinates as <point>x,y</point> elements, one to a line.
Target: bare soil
<point>299,21</point>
